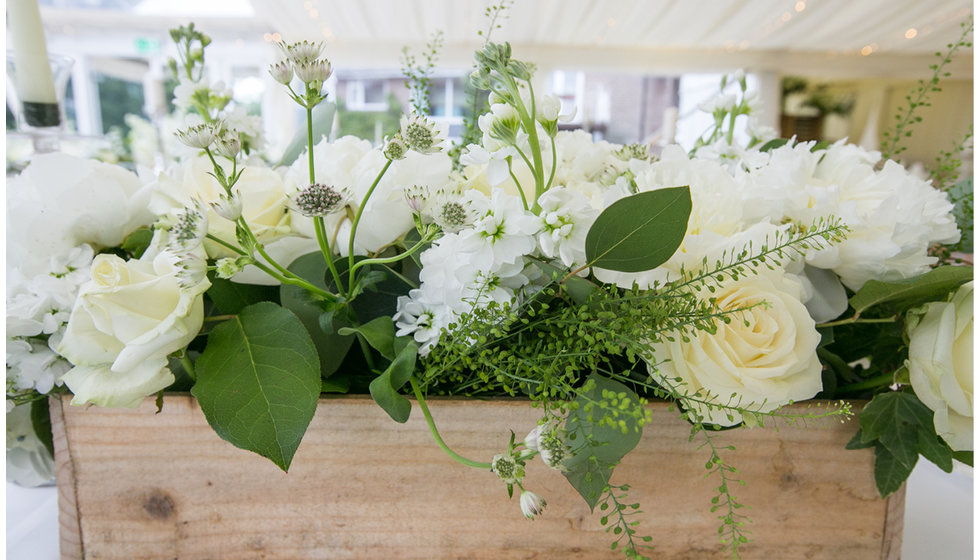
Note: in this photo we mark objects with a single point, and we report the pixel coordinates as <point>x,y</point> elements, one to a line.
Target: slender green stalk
<point>554,164</point>
<point>435,432</point>
<point>324,242</point>
<point>309,141</point>
<point>357,220</point>
<point>188,366</point>
<point>396,258</point>
<point>855,319</point>
<point>874,382</point>
<point>513,177</point>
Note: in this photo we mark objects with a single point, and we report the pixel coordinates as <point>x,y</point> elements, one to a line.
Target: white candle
<point>35,84</point>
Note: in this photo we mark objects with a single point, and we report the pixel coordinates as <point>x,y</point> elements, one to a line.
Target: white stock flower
<point>941,364</point>
<point>422,318</point>
<point>60,202</point>
<point>33,365</point>
<point>502,233</point>
<point>566,217</point>
<point>125,323</point>
<point>763,358</point>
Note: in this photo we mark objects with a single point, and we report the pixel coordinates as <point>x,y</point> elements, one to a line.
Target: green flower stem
<point>513,177</point>
<point>188,366</point>
<point>226,245</point>
<point>324,242</point>
<point>874,382</point>
<point>532,137</point>
<point>731,127</point>
<point>435,433</point>
<point>554,164</point>
<point>855,319</point>
<point>292,279</point>
<point>396,258</point>
<point>357,220</point>
<point>309,141</point>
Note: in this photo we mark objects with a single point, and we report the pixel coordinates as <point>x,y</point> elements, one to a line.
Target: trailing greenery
<point>418,75</point>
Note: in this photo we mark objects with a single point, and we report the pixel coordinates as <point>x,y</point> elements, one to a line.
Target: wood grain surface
<point>134,484</point>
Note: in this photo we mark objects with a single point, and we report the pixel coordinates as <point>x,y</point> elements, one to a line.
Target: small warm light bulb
<point>267,37</point>
<point>786,16</point>
<point>911,33</point>
<point>866,50</point>
<point>800,6</point>
<point>314,14</point>
<point>611,22</point>
<point>276,37</point>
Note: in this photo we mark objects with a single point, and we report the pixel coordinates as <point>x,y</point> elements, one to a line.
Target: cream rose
<point>261,191</point>
<point>765,357</point>
<point>941,364</point>
<point>125,322</point>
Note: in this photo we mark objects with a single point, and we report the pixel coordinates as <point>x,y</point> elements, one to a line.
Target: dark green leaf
<point>339,383</point>
<point>909,292</point>
<point>889,472</point>
<point>639,232</point>
<point>936,450</point>
<point>858,443</point>
<point>597,449</point>
<point>384,389</point>
<point>965,457</point>
<point>41,422</point>
<point>379,333</point>
<point>258,381</point>
<point>331,348</point>
<point>891,412</point>
<point>230,297</point>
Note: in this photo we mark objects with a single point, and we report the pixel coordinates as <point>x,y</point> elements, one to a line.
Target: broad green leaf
<point>258,381</point>
<point>965,457</point>
<point>894,411</point>
<point>384,389</point>
<point>331,348</point>
<point>41,422</point>
<point>935,449</point>
<point>379,333</point>
<point>857,442</point>
<point>336,384</point>
<point>230,297</point>
<point>890,473</point>
<point>909,292</point>
<point>597,449</point>
<point>639,232</point>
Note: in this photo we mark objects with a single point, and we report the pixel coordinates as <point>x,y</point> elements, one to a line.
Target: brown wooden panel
<point>146,485</point>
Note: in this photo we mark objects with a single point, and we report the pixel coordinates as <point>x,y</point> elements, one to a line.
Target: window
<point>367,95</point>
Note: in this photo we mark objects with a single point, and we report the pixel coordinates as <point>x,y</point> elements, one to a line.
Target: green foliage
<point>899,427</point>
<point>41,422</point>
<point>384,389</point>
<point>137,242</point>
<point>639,232</point>
<point>419,75</point>
<point>906,293</point>
<point>919,97</point>
<point>366,124</point>
<point>231,297</point>
<point>961,195</point>
<point>378,332</point>
<point>605,424</point>
<point>615,509</point>
<point>258,381</point>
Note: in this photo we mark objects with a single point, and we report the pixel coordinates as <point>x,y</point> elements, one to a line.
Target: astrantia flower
<point>395,148</point>
<point>532,504</point>
<point>318,200</point>
<point>420,134</point>
<point>507,468</point>
<point>548,440</point>
<point>313,71</point>
<point>303,50</point>
<point>200,136</point>
<point>228,144</point>
<point>188,227</point>
<point>281,72</point>
<point>228,207</point>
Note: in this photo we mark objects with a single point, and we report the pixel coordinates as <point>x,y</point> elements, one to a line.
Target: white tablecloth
<point>938,517</point>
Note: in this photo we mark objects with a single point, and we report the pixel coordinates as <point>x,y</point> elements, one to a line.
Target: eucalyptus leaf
<point>639,232</point>
<point>258,381</point>
<point>903,294</point>
<point>384,389</point>
<point>597,448</point>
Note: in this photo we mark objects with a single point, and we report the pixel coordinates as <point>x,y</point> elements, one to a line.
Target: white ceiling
<point>815,36</point>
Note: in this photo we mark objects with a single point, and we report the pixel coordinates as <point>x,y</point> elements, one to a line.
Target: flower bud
<point>313,71</point>
<point>396,148</point>
<point>281,72</point>
<point>199,136</point>
<point>228,207</point>
<point>532,504</point>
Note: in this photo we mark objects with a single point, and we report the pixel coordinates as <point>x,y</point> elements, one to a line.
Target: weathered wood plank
<point>164,485</point>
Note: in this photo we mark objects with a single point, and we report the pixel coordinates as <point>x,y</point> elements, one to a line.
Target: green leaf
<point>773,144</point>
<point>891,412</point>
<point>41,422</point>
<point>258,381</point>
<point>890,473</point>
<point>331,348</point>
<point>578,288</point>
<point>336,384</point>
<point>858,443</point>
<point>965,457</point>
<point>961,195</point>
<point>639,232</point>
<point>932,285</point>
<point>230,297</point>
<point>137,241</point>
<point>598,448</point>
<point>379,333</point>
<point>936,450</point>
<point>384,389</point>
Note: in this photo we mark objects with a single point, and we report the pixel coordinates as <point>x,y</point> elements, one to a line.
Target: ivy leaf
<point>639,232</point>
<point>332,347</point>
<point>599,447</point>
<point>259,380</point>
<point>890,472</point>
<point>909,292</point>
<point>384,388</point>
<point>933,448</point>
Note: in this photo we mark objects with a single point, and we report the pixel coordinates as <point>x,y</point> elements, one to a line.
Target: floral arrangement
<point>587,276</point>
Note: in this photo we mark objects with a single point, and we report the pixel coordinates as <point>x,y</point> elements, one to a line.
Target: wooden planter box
<point>135,484</point>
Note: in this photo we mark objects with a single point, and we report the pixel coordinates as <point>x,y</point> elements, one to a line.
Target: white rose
<point>260,189</point>
<point>127,319</point>
<point>941,364</point>
<point>60,202</point>
<point>765,357</point>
